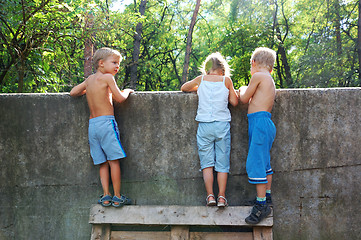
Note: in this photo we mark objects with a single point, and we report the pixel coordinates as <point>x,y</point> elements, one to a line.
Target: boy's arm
<point>191,86</point>
<point>246,93</point>
<point>233,96</point>
<point>78,90</point>
<point>119,96</point>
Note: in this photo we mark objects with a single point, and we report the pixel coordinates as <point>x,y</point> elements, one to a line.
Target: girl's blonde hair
<point>264,57</point>
<point>102,54</point>
<point>214,62</point>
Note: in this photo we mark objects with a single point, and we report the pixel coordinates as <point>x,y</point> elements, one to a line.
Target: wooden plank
<point>134,235</point>
<point>100,232</point>
<point>179,233</point>
<point>262,233</point>
<point>173,215</point>
<point>221,235</point>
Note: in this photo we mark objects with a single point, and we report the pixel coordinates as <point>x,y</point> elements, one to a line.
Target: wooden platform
<point>176,222</point>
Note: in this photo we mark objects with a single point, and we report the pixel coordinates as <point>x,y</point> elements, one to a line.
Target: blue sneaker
<point>258,213</point>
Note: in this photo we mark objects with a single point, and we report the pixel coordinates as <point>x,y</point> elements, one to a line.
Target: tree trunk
<point>189,43</point>
<point>281,49</point>
<point>359,42</point>
<point>286,66</point>
<point>136,51</point>
<point>4,72</point>
<point>337,24</point>
<point>279,71</point>
<point>88,48</point>
<point>21,74</point>
<point>174,63</point>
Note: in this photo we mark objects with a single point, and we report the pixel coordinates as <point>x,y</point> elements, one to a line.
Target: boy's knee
<point>113,162</point>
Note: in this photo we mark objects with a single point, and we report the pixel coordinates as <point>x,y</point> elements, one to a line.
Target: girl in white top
<point>215,90</point>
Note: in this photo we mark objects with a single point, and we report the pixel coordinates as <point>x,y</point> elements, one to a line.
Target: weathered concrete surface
<point>48,182</point>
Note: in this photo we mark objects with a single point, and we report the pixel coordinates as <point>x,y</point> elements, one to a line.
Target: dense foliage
<point>42,42</point>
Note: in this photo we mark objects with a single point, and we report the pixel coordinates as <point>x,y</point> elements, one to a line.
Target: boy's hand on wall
<point>128,90</point>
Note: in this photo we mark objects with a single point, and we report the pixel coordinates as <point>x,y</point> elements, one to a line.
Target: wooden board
<point>173,215</point>
<point>133,235</point>
<point>262,233</point>
<point>221,235</point>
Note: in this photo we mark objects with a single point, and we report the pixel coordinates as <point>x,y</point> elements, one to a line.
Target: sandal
<point>120,202</point>
<point>211,202</point>
<point>222,204</point>
<point>104,199</point>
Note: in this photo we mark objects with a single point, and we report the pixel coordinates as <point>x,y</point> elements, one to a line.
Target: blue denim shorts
<point>261,132</point>
<point>104,139</point>
<point>214,145</point>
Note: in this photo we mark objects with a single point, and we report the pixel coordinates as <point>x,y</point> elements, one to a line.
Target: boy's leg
<point>104,178</point>
<point>222,184</point>
<point>261,190</point>
<point>208,181</point>
<point>268,190</point>
<point>269,179</point>
<point>116,176</point>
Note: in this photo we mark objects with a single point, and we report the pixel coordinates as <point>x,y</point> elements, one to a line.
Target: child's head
<point>103,54</point>
<point>216,62</point>
<point>264,57</point>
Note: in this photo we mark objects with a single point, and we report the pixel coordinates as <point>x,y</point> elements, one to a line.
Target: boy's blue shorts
<point>214,145</point>
<point>262,133</point>
<point>104,139</point>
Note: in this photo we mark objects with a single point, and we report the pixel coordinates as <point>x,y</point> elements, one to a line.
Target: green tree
<point>28,30</point>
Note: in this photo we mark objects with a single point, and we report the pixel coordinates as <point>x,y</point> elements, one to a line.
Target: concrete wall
<point>48,182</point>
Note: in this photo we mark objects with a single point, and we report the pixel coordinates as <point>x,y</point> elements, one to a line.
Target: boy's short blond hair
<point>102,54</point>
<point>214,62</point>
<point>264,57</point>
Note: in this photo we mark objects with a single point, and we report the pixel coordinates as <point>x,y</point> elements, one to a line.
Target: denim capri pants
<point>214,145</point>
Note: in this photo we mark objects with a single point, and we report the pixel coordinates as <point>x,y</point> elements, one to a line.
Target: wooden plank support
<point>100,232</point>
<point>174,215</point>
<point>179,218</point>
<point>262,233</point>
<point>179,233</point>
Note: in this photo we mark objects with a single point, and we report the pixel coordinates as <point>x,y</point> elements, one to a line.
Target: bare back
<point>264,95</point>
<point>98,95</point>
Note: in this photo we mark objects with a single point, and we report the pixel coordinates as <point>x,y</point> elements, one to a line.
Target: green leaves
<point>42,41</point>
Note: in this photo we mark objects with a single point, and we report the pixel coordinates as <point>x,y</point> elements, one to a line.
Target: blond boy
<point>260,95</point>
<point>105,147</point>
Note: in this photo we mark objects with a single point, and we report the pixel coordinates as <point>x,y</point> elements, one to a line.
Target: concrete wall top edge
<point>180,92</point>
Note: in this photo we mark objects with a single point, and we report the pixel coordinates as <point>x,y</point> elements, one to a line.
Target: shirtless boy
<point>260,95</point>
<point>105,147</point>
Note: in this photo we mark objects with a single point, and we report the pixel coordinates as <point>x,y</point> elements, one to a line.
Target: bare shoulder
<point>228,82</point>
<point>192,85</point>
<point>228,79</point>
<point>106,76</point>
<point>260,76</point>
<point>197,79</point>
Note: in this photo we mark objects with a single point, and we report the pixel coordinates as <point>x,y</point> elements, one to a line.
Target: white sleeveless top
<point>213,102</point>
